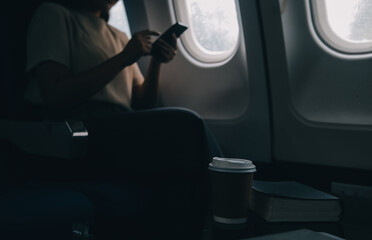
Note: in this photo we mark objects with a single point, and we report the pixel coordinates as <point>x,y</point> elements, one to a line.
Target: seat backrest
<point>14,23</point>
<point>57,138</point>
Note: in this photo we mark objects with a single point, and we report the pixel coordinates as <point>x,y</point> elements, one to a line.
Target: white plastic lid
<point>232,164</point>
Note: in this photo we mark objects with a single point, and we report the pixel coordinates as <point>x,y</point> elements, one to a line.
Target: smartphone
<point>177,29</point>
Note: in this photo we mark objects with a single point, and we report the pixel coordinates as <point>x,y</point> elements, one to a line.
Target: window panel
<point>214,23</point>
<point>345,25</point>
<point>213,28</point>
<point>351,19</point>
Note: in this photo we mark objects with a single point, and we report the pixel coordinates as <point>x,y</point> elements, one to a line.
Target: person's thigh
<point>149,141</point>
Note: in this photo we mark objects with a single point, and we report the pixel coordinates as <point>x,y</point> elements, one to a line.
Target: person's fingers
<point>150,33</point>
<point>147,42</point>
<point>164,45</point>
<point>174,41</point>
<point>169,52</point>
<point>166,55</point>
<point>147,49</point>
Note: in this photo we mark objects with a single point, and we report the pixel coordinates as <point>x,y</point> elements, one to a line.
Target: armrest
<point>62,139</point>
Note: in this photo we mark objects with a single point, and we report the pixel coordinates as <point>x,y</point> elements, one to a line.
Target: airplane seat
<point>18,123</point>
<point>36,212</point>
<point>32,212</point>
<point>25,136</point>
<point>42,213</point>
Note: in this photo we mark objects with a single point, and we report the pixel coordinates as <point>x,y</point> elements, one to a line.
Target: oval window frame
<point>191,44</point>
<point>329,37</point>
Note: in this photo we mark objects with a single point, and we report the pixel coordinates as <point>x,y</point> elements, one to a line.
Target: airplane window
<point>345,25</point>
<point>213,28</point>
<point>118,18</point>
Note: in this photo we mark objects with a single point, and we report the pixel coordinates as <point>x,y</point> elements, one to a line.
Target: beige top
<point>79,41</point>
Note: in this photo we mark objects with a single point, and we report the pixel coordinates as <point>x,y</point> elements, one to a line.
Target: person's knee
<point>188,115</point>
<point>186,123</point>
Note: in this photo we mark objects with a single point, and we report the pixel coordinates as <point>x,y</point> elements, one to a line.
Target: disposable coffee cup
<point>231,186</point>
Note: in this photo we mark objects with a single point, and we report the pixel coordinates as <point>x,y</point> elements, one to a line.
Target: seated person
<point>80,67</point>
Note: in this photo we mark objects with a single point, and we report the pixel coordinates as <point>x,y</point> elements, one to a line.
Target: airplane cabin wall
<point>318,102</point>
<point>321,102</point>
<point>232,97</point>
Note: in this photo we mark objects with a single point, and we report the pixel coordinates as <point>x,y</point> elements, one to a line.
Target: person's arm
<point>145,95</point>
<point>62,88</point>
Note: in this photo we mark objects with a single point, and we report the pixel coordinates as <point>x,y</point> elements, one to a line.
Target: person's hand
<point>164,51</point>
<point>140,45</point>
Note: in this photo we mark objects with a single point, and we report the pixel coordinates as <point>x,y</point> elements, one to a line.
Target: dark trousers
<point>165,149</point>
<point>154,142</point>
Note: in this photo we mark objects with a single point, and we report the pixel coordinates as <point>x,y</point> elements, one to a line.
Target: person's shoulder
<point>51,8</point>
<point>118,33</point>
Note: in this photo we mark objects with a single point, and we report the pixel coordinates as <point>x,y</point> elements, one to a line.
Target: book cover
<point>293,201</point>
<point>303,234</point>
